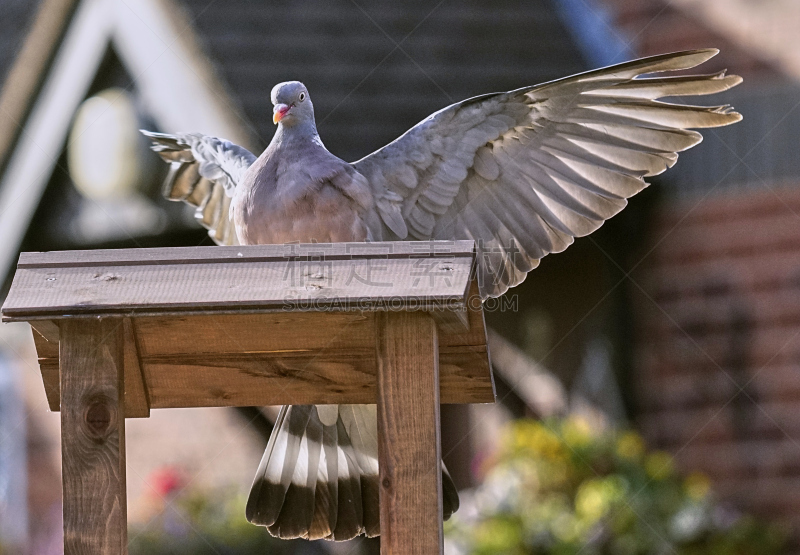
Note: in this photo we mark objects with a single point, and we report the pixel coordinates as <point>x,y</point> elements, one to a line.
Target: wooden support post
<point>409,446</point>
<point>93,437</point>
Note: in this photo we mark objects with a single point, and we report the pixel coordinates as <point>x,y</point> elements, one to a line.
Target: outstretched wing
<point>525,172</point>
<point>204,172</point>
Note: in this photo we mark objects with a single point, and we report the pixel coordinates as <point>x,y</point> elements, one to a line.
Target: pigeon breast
<point>301,193</point>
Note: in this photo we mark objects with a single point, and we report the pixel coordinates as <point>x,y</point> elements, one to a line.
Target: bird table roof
<point>257,325</point>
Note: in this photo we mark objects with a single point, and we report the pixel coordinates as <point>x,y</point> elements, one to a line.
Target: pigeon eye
<point>302,96</point>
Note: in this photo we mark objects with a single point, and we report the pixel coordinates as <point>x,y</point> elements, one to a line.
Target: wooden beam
<point>137,400</point>
<point>93,437</point>
<point>47,329</point>
<point>47,349</point>
<point>409,444</point>
<point>271,359</point>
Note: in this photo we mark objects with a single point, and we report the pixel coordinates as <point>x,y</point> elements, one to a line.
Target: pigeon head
<point>292,104</point>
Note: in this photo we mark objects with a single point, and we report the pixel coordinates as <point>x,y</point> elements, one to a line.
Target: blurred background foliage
<point>203,523</point>
<point>554,487</point>
<point>188,519</point>
<point>561,487</point>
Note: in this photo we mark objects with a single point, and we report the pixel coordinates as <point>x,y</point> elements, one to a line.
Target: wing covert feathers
<point>203,173</point>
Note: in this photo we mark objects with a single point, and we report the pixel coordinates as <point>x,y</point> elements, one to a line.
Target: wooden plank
<point>272,359</point>
<point>340,276</point>
<point>465,375</point>
<point>93,437</point>
<point>467,350</point>
<point>255,286</point>
<point>47,329</point>
<point>50,379</point>
<point>136,396</point>
<point>451,321</point>
<point>475,332</point>
<point>320,357</point>
<point>279,358</point>
<point>246,380</point>
<point>253,333</point>
<point>137,401</point>
<point>299,378</point>
<point>409,443</point>
<point>279,331</point>
<point>245,254</point>
<point>48,365</point>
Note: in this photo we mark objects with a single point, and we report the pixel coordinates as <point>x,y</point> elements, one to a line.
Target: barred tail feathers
<point>318,478</point>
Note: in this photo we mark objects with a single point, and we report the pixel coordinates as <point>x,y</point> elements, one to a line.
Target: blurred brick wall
<point>654,27</point>
<point>718,313</point>
<point>718,353</point>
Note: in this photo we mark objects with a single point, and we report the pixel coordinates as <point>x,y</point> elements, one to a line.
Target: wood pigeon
<point>522,173</point>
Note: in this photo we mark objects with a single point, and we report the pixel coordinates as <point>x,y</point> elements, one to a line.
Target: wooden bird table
<point>119,332</point>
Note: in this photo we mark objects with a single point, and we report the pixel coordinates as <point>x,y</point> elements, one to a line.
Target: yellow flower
<point>566,528</point>
<point>596,497</point>
<point>658,465</point>
<point>697,485</point>
<point>549,444</point>
<point>589,501</point>
<point>497,535</point>
<point>630,446</point>
<point>522,433</point>
<point>577,431</point>
<point>529,435</point>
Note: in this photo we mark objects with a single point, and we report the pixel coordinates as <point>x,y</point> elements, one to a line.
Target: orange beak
<point>279,112</point>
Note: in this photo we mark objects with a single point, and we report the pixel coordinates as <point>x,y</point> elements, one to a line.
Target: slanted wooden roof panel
<point>343,276</point>
<point>251,253</point>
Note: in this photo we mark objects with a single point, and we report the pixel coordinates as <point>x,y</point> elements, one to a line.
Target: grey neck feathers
<point>302,131</point>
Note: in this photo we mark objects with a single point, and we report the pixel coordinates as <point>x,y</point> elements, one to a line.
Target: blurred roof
<point>769,28</point>
<point>760,149</point>
<point>14,25</point>
<point>658,26</point>
<point>374,69</point>
<point>30,31</point>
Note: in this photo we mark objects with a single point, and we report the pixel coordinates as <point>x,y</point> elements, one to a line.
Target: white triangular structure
<point>174,80</point>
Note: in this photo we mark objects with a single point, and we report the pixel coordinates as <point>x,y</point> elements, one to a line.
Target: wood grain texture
<point>409,443</point>
<point>289,358</point>
<point>276,358</point>
<point>47,352</point>
<point>47,329</point>
<point>248,253</point>
<point>337,277</point>
<point>93,437</point>
<point>330,377</point>
<point>223,326</point>
<point>137,398</point>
